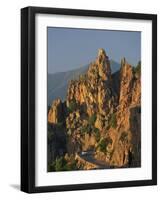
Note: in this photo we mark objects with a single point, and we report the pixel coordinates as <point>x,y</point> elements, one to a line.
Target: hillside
<point>98,124</point>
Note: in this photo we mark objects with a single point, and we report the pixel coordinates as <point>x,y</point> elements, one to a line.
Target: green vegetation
<point>86,129</point>
<point>113,121</point>
<point>72,106</point>
<point>102,145</point>
<point>51,167</point>
<point>60,164</point>
<point>72,165</point>
<point>96,133</point>
<point>90,126</point>
<point>92,119</point>
<point>83,129</point>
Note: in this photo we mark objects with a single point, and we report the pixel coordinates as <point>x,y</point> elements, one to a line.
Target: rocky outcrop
<point>126,139</point>
<point>126,84</point>
<point>56,112</point>
<point>94,89</point>
<point>130,87</point>
<point>102,114</point>
<point>101,67</point>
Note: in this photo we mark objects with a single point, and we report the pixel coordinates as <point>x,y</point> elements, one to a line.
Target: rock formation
<point>56,112</point>
<point>102,113</point>
<point>94,89</point>
<point>128,118</point>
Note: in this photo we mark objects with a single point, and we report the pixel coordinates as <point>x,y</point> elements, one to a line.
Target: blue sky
<point>70,48</point>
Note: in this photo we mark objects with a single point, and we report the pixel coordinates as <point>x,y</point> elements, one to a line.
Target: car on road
<point>84,153</point>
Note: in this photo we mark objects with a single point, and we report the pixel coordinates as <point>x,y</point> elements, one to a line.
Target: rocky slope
<point>101,114</point>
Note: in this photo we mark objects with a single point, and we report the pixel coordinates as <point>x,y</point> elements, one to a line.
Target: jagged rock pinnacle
<point>100,68</point>
<point>102,55</point>
<point>103,65</point>
<point>123,61</point>
<point>101,52</point>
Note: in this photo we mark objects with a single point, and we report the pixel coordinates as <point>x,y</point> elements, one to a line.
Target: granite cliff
<point>101,115</point>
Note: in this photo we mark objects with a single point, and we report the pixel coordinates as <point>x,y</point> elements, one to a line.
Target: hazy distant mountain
<point>58,82</point>
<point>115,66</point>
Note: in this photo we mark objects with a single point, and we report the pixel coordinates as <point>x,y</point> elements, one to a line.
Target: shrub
<point>83,129</point>
<point>113,121</point>
<point>72,106</point>
<point>86,129</point>
<point>72,165</point>
<point>61,164</point>
<point>51,167</point>
<point>90,126</point>
<point>92,119</point>
<point>96,133</point>
<point>102,145</point>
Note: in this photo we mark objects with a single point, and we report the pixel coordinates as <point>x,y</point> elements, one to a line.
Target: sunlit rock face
<point>102,113</point>
<point>56,112</point>
<point>94,89</point>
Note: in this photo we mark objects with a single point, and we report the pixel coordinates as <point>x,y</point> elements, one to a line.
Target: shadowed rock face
<point>102,112</point>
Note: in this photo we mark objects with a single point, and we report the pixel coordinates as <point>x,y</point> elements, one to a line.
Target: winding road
<point>89,157</point>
